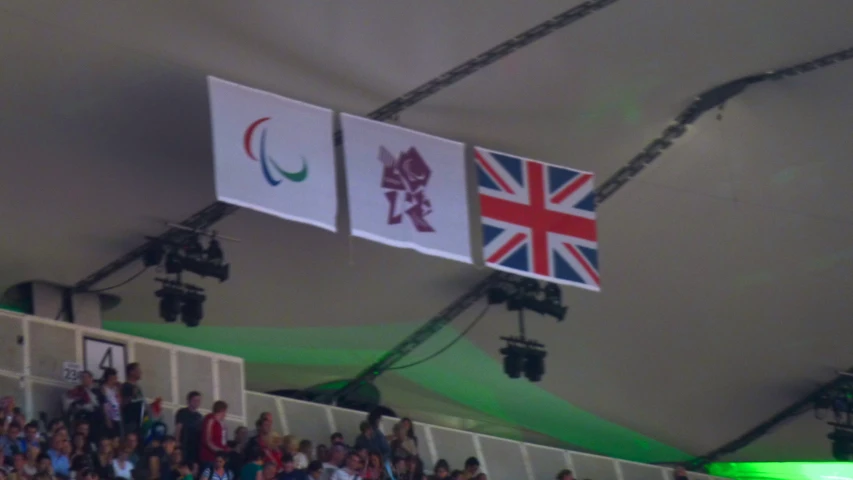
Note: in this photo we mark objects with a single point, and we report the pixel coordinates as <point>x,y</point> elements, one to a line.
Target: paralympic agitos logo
<point>273,173</point>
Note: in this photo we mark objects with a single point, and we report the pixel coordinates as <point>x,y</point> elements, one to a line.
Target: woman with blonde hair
<point>271,444</point>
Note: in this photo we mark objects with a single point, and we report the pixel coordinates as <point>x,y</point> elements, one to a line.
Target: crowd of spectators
<point>108,431</point>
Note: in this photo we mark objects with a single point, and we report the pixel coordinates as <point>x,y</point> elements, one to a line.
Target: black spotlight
<point>842,444</point>
<point>513,360</point>
<point>207,269</point>
<point>214,252</point>
<point>192,310</point>
<point>174,263</point>
<point>553,293</point>
<point>193,247</point>
<point>153,255</point>
<point>534,364</point>
<point>496,296</point>
<point>170,302</point>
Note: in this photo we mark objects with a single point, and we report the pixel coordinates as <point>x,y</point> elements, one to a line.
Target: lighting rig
<point>178,298</point>
<point>521,354</point>
<point>838,402</point>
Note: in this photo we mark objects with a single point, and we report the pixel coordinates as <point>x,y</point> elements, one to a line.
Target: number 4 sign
<point>99,355</point>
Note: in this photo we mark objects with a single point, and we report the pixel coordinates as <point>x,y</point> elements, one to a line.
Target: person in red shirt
<point>213,435</point>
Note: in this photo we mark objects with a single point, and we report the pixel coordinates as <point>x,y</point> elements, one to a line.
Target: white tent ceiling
<point>726,267</point>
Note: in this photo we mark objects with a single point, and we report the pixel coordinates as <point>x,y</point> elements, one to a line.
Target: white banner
<point>406,189</point>
<point>273,154</point>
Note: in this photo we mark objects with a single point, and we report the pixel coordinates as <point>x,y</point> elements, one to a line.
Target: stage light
<point>496,296</point>
<point>193,248</point>
<point>153,255</point>
<point>214,252</point>
<point>534,364</point>
<point>170,301</point>
<point>553,293</point>
<point>513,360</point>
<point>842,444</point>
<point>174,264</point>
<point>207,269</point>
<point>192,310</point>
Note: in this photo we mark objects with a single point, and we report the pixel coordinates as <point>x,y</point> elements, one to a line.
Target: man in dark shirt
<point>188,421</point>
<point>132,400</point>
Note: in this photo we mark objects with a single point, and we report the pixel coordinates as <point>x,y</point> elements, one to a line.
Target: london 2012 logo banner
<point>406,189</point>
<point>273,154</point>
<point>405,179</point>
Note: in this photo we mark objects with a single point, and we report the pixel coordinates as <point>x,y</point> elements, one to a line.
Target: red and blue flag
<point>538,219</point>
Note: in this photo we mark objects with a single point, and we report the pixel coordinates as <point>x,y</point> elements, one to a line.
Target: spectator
<point>32,437</point>
<point>472,468</point>
<point>263,417</point>
<point>217,471</point>
<point>122,466</point>
<point>303,456</point>
<point>84,428</point>
<point>87,474</point>
<point>11,443</point>
<point>680,473</point>
<point>44,464</point>
<point>252,469</point>
<point>214,434</point>
<point>160,463</point>
<point>400,468</point>
<point>188,423</point>
<point>81,402</point>
<point>263,427</point>
<point>481,476</point>
<point>19,468</point>
<point>131,444</point>
<point>441,470</point>
<point>133,406</point>
<point>271,444</point>
<point>371,440</point>
<point>238,449</point>
<point>43,476</point>
<point>565,474</point>
<point>289,471</point>
<point>403,441</point>
<point>59,451</point>
<point>374,469</point>
<point>416,468</point>
<point>337,438</point>
<point>184,471</point>
<point>33,455</point>
<point>351,469</point>
<point>290,445</point>
<point>102,460</point>
<point>456,475</point>
<point>314,470</point>
<point>336,458</point>
<point>269,471</point>
<point>81,454</point>
<point>109,399</point>
<point>322,453</point>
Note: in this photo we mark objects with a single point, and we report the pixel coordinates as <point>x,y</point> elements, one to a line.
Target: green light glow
<point>783,470</point>
<point>481,385</point>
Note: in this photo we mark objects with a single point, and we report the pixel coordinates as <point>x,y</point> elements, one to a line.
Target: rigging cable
<point>447,347</point>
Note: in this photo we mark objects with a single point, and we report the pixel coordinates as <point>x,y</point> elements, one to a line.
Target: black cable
<point>447,347</point>
<point>120,284</point>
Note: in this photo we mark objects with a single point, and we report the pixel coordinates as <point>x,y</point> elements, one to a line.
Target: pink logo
<point>405,179</point>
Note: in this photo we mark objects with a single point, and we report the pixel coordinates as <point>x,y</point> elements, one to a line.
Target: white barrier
<point>39,360</point>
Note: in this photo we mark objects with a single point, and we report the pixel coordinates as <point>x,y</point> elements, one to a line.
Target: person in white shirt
<point>336,459</point>
<point>352,469</point>
<point>303,456</point>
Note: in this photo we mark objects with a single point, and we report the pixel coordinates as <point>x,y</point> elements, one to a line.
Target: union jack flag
<point>538,220</point>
